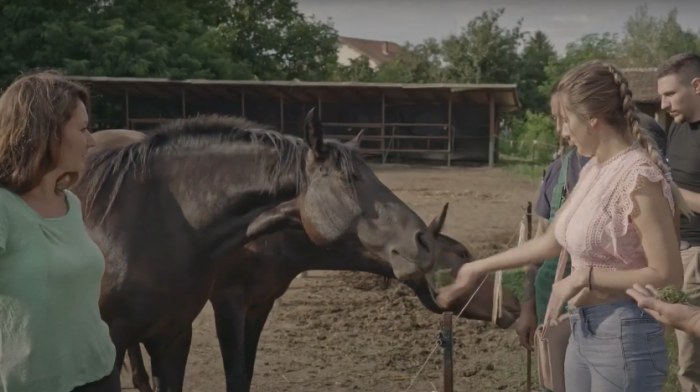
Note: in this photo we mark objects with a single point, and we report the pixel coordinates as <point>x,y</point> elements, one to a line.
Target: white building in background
<point>378,52</point>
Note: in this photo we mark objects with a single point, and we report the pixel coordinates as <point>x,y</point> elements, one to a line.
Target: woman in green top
<point>52,338</point>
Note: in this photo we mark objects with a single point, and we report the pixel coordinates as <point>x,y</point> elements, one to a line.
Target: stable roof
<point>505,95</point>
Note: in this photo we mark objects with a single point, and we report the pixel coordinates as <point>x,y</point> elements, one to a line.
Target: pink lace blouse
<point>595,227</point>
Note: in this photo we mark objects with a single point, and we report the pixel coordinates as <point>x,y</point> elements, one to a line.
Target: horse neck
<point>208,183</point>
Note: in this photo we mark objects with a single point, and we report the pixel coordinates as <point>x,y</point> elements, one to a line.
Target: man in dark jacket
<point>679,87</point>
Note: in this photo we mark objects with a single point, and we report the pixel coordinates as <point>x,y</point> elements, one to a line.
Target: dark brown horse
<point>245,291</point>
<point>162,208</point>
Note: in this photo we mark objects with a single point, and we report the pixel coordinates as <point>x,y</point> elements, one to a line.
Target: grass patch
<point>514,280</point>
<point>523,168</point>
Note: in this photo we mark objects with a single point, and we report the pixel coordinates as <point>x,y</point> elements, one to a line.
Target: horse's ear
<point>223,238</point>
<point>437,223</point>
<point>281,216</point>
<point>313,132</point>
<point>355,142</point>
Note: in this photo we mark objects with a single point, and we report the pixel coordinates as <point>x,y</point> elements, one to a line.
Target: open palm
<point>679,316</point>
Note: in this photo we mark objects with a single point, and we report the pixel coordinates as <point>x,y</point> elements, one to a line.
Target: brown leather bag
<point>551,342</point>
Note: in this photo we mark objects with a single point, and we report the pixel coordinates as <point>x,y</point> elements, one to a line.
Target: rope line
<point>415,377</point>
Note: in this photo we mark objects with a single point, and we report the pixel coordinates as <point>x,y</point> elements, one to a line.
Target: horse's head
<point>342,196</point>
<point>450,255</point>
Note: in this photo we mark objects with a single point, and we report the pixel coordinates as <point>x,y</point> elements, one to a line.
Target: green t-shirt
<point>52,338</point>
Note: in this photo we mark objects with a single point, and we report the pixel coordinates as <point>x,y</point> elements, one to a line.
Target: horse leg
<point>139,375</point>
<point>120,333</point>
<point>254,324</point>
<point>169,359</point>
<point>230,330</point>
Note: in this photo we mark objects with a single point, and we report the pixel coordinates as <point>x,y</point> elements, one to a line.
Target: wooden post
<point>528,217</point>
<point>184,108</point>
<point>529,220</point>
<point>126,108</point>
<point>242,104</point>
<point>448,383</point>
<point>492,129</point>
<point>320,108</point>
<point>384,153</point>
<point>281,113</point>
<point>449,131</point>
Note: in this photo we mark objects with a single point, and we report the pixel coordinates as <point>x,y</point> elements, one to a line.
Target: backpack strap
<point>559,194</point>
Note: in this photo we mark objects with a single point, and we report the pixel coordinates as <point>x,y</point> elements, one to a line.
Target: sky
<point>415,20</point>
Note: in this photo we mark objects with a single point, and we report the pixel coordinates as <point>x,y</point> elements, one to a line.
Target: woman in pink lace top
<point>620,226</point>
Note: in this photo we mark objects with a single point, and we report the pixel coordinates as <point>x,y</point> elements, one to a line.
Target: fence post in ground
<point>447,344</point>
<point>528,217</point>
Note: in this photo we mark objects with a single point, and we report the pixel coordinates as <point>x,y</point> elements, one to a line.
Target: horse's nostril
<point>421,241</point>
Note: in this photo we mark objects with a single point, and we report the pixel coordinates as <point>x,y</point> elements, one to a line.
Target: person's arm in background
<point>692,198</point>
<point>527,322</point>
<point>532,269</point>
<point>679,316</point>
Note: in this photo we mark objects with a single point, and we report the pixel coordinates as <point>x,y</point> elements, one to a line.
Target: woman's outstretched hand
<point>683,317</point>
<point>467,279</point>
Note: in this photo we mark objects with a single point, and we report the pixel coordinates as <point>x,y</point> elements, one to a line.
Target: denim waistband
<point>608,308</point>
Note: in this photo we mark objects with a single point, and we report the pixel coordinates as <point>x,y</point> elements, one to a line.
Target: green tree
<point>157,38</point>
<point>414,64</point>
<point>531,137</point>
<point>119,38</point>
<point>604,47</point>
<point>22,36</point>
<point>649,40</point>
<point>359,70</point>
<point>484,52</point>
<point>536,55</point>
<point>279,43</point>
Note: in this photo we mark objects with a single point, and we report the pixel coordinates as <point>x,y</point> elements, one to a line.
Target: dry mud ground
<point>346,332</point>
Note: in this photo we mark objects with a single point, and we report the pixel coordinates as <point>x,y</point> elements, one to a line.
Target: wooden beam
<point>281,112</point>
<point>492,128</point>
<point>126,107</point>
<point>450,147</point>
<point>320,108</point>
<point>242,104</point>
<point>383,120</point>
<point>184,108</point>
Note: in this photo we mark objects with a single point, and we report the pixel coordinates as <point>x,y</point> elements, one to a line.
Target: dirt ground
<point>346,332</point>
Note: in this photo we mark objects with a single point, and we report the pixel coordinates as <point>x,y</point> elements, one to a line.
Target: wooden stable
<point>431,121</point>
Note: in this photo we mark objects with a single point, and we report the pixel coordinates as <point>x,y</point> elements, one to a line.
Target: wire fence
<point>527,150</point>
<point>524,233</point>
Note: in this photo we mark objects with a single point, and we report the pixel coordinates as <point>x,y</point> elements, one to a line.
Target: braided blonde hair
<point>599,89</point>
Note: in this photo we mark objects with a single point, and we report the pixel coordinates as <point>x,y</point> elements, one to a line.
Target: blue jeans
<point>616,347</point>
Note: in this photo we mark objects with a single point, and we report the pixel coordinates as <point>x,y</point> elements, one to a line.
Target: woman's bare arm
<point>533,251</point>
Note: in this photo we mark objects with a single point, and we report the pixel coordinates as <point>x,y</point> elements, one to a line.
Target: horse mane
<point>199,134</point>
